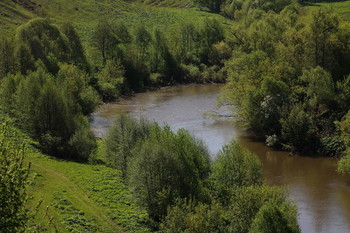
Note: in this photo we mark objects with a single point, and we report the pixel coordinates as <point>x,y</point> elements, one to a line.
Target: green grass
<point>82,197</point>
<point>340,7</point>
<point>78,197</point>
<point>85,14</point>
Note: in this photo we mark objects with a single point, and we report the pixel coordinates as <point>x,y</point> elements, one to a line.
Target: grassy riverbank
<point>78,197</point>
<point>82,197</point>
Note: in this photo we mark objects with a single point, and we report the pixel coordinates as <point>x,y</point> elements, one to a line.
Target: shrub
<point>13,182</point>
<point>167,166</point>
<point>191,216</point>
<point>235,167</point>
<point>273,217</point>
<point>122,137</point>
<point>247,202</point>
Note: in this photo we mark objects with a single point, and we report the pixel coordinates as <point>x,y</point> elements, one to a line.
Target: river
<point>322,195</point>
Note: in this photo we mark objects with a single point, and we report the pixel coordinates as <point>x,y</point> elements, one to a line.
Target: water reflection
<point>322,195</point>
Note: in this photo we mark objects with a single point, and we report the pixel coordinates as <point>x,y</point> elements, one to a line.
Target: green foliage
<point>297,129</point>
<point>273,217</point>
<point>111,80</point>
<point>13,182</point>
<point>284,60</point>
<point>213,5</point>
<point>167,166</point>
<point>45,42</point>
<point>344,127</point>
<point>320,88</point>
<point>8,87</point>
<point>238,9</point>
<point>104,40</point>
<point>344,164</point>
<point>251,208</point>
<point>82,144</point>
<point>189,216</point>
<point>76,83</point>
<point>235,167</point>
<point>122,138</point>
<point>43,108</point>
<point>77,54</point>
<point>7,60</point>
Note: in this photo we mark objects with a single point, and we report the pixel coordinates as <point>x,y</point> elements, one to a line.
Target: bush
<point>82,144</point>
<point>167,166</point>
<point>297,130</point>
<point>277,218</point>
<point>235,167</point>
<point>111,80</point>
<point>247,202</point>
<point>13,182</point>
<point>190,216</point>
<point>121,139</point>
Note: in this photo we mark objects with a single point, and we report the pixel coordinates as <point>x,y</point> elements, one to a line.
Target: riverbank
<point>320,192</point>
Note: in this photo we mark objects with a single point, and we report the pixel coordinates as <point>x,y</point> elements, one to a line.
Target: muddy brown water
<point>322,195</point>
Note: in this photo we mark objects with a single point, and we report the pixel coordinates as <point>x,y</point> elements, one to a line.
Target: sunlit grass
<point>340,7</point>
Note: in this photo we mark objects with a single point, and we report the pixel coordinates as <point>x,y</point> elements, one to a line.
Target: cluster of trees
<point>237,9</point>
<point>172,175</point>
<point>48,85</point>
<point>139,58</point>
<point>46,88</point>
<point>289,76</point>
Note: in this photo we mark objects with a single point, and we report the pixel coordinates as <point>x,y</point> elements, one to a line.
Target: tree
<point>273,217</point>
<point>77,55</point>
<point>235,167</point>
<point>24,59</point>
<point>111,80</point>
<point>8,89</point>
<point>104,40</point>
<point>250,208</point>
<point>297,129</point>
<point>211,33</point>
<point>344,162</point>
<point>45,43</point>
<point>167,166</point>
<point>7,60</point>
<point>76,83</point>
<point>213,5</point>
<point>191,216</point>
<point>122,138</point>
<point>13,182</point>
<point>320,86</point>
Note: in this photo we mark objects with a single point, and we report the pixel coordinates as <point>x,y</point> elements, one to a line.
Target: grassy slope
<point>82,197</point>
<point>341,7</point>
<point>86,13</point>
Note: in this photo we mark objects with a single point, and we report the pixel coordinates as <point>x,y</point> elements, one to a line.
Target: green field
<point>340,7</point>
<point>86,13</point>
<point>78,197</point>
<point>82,197</point>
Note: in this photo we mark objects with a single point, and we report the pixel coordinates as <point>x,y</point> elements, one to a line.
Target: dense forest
<point>286,73</point>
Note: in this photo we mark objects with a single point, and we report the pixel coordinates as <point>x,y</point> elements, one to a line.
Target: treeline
<point>49,86</point>
<point>289,77</point>
<point>238,9</point>
<point>173,177</point>
<point>143,58</point>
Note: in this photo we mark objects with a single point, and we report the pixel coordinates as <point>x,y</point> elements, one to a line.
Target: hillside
<point>340,7</point>
<point>86,13</point>
<point>82,197</point>
<point>78,197</point>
